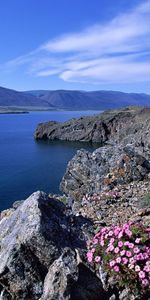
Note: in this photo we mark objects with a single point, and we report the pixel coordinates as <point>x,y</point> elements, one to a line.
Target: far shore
<point>13,112</point>
<point>27,110</point>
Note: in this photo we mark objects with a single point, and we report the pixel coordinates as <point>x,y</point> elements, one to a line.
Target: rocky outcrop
<point>41,245</point>
<point>108,127</point>
<point>122,204</point>
<point>103,169</point>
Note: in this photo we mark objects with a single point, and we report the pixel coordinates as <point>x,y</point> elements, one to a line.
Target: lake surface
<point>27,165</point>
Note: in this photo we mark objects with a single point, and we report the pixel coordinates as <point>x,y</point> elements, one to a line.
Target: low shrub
<point>145,202</point>
<point>124,253</point>
<point>63,199</point>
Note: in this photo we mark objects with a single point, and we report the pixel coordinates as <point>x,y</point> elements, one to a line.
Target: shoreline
<point>2,112</point>
<point>13,112</point>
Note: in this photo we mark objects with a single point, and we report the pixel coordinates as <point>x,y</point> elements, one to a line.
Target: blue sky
<point>75,44</point>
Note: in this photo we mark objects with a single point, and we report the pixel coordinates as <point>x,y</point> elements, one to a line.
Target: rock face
<point>111,126</point>
<point>38,253</point>
<point>105,168</point>
<point>66,280</point>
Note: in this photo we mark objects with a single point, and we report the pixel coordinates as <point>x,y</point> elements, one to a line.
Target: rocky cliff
<point>108,127</point>
<point>124,157</point>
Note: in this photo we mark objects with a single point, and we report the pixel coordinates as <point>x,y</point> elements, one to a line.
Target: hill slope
<point>99,100</point>
<point>12,98</point>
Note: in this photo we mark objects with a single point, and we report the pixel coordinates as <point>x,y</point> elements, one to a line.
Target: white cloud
<point>114,52</point>
<point>48,72</point>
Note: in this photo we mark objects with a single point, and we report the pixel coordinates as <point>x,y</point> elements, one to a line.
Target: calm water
<point>26,165</point>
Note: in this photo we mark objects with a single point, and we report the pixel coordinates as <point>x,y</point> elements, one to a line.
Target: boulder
<point>41,249</point>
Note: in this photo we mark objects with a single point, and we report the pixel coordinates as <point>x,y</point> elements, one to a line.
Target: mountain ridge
<point>71,99</point>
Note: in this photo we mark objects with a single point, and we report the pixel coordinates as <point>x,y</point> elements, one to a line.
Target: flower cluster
<point>125,254</point>
<point>102,196</point>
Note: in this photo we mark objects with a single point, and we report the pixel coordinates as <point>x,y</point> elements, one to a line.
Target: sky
<point>75,44</point>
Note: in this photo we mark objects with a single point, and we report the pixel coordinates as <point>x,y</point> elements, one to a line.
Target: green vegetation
<point>63,199</point>
<point>145,202</point>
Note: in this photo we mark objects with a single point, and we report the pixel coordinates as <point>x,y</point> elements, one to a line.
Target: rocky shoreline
<point>105,128</point>
<point>43,239</point>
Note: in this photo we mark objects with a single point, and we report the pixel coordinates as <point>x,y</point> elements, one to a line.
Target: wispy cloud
<point>118,51</point>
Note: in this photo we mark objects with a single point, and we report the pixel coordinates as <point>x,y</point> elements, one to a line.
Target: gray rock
<point>38,253</point>
<point>105,167</point>
<point>16,204</point>
<point>28,246</point>
<point>62,274</point>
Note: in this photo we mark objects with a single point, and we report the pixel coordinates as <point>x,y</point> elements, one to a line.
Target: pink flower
<point>131,245</point>
<point>128,253</point>
<point>112,263</point>
<point>97,235</point>
<point>93,250</point>
<point>145,282</point>
<point>131,266</point>
<point>142,274</point>
<point>145,255</point>
<point>128,232</point>
<point>118,260</point>
<point>111,248</point>
<point>90,259</point>
<point>126,243</point>
<point>107,250</point>
<point>112,240</point>
<point>120,244</point>
<point>122,253</point>
<point>89,253</point>
<point>116,250</point>
<point>102,243</point>
<point>97,259</point>
<point>136,250</point>
<point>147,269</point>
<point>116,269</point>
<point>132,260</point>
<point>135,258</point>
<point>116,231</point>
<point>124,260</point>
<point>125,226</point>
<point>140,256</point>
<point>95,241</point>
<point>137,241</point>
<point>89,256</point>
<point>110,233</point>
<point>120,235</point>
<point>137,268</point>
<point>147,249</point>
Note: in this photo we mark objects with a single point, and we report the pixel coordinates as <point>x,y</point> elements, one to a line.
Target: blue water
<point>27,165</point>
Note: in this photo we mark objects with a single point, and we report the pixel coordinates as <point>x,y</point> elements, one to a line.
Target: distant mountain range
<point>71,100</point>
